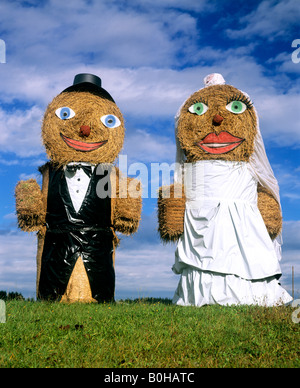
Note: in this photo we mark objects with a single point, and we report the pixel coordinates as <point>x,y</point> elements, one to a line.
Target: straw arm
<point>128,206</point>
<point>30,206</point>
<point>270,211</point>
<point>171,208</point>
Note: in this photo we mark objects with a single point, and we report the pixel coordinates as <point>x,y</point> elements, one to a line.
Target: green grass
<point>147,333</point>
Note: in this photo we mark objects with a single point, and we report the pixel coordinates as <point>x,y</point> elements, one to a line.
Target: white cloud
<point>18,263</point>
<point>289,179</point>
<point>278,118</point>
<point>134,49</point>
<point>25,177</point>
<point>103,31</point>
<point>146,92</point>
<point>291,235</point>
<point>285,65</point>
<point>185,5</point>
<point>146,147</point>
<point>143,263</point>
<point>271,19</point>
<point>146,269</point>
<point>151,56</point>
<point>20,132</point>
<point>290,255</point>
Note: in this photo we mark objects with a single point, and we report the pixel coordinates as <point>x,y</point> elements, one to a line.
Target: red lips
<point>219,144</point>
<point>80,145</point>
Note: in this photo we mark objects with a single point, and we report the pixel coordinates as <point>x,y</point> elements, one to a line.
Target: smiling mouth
<point>219,144</point>
<point>80,145</point>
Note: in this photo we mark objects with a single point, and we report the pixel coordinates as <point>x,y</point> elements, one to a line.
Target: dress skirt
<point>225,255</point>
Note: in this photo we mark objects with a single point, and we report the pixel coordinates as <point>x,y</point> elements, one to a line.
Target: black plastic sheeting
<point>86,234</point>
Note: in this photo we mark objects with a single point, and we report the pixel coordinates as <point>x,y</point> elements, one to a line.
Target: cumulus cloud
<point>291,254</point>
<point>151,55</point>
<point>133,49</point>
<point>20,131</point>
<point>152,147</point>
<point>143,263</point>
<point>105,31</point>
<point>270,19</point>
<point>278,118</point>
<point>17,263</point>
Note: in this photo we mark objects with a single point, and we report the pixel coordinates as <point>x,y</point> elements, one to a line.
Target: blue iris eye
<point>65,113</point>
<point>110,121</point>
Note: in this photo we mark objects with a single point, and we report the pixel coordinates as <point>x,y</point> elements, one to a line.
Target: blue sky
<point>151,55</point>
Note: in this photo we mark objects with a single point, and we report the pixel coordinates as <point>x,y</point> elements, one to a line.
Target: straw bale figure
<point>228,219</point>
<point>78,210</point>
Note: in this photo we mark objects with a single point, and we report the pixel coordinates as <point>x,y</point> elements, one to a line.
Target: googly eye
<point>64,113</point>
<point>236,107</point>
<point>199,108</point>
<point>110,121</point>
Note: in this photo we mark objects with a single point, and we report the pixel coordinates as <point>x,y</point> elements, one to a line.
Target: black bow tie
<point>74,167</point>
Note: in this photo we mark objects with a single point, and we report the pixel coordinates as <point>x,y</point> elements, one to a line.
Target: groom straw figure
<point>83,132</point>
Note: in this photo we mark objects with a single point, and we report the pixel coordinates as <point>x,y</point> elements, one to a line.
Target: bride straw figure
<point>224,207</point>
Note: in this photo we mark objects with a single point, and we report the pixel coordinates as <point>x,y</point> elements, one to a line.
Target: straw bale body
<point>171,209</point>
<point>88,109</point>
<point>92,131</point>
<point>219,119</point>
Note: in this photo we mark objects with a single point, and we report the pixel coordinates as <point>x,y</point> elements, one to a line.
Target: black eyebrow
<point>203,100</point>
<point>241,97</point>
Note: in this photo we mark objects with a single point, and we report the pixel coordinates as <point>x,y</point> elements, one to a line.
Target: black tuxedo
<point>69,234</point>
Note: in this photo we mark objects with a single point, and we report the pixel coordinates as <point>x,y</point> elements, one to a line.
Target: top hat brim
<point>87,87</point>
<point>88,83</point>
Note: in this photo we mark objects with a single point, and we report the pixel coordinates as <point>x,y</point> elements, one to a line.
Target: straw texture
<point>171,208</point>
<point>127,206</point>
<point>78,289</point>
<point>192,128</point>
<point>29,206</point>
<point>270,211</point>
<point>85,127</point>
<point>88,109</point>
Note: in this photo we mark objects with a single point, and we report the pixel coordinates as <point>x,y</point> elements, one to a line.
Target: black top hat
<point>88,82</point>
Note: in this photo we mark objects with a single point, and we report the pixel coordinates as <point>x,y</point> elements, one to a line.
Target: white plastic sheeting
<point>225,254</point>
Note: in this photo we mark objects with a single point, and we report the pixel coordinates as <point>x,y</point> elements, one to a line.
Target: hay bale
<point>127,211</point>
<point>85,126</point>
<point>270,211</point>
<point>171,208</point>
<point>192,128</point>
<point>88,108</point>
<point>30,206</point>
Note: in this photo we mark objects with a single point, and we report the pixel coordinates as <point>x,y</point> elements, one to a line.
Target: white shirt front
<point>78,183</point>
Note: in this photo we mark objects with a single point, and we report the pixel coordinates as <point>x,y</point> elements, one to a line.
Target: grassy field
<point>147,333</point>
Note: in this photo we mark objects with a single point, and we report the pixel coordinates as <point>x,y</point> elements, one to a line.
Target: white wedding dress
<point>225,255</point>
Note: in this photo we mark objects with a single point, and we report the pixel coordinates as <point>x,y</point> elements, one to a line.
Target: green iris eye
<point>236,107</point>
<point>199,108</point>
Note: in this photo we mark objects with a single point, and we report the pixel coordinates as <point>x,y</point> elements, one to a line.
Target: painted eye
<point>65,113</point>
<point>236,107</point>
<point>110,121</point>
<point>199,108</point>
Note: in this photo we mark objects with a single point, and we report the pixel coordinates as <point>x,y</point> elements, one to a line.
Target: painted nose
<point>217,120</point>
<point>85,130</point>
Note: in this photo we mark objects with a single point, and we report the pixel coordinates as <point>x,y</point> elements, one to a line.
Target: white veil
<point>258,165</point>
